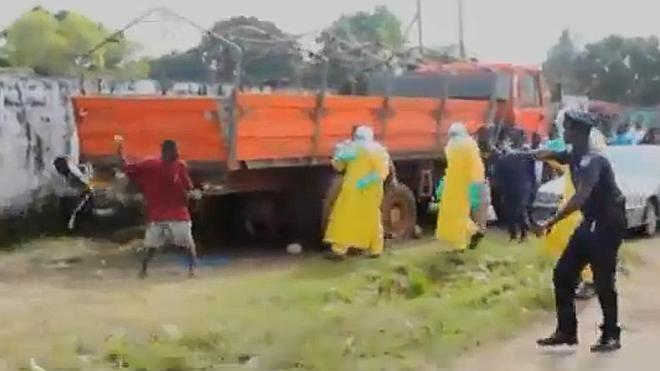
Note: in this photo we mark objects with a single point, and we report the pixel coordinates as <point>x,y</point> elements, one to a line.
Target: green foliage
<point>621,69</point>
<point>268,53</point>
<point>33,41</point>
<point>560,64</point>
<point>50,43</point>
<point>615,69</point>
<point>398,312</point>
<point>313,315</point>
<point>381,27</point>
<point>186,66</point>
<point>366,34</point>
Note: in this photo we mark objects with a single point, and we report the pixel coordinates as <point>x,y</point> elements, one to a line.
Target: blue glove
<point>555,145</point>
<point>367,180</point>
<point>345,152</point>
<point>439,189</point>
<point>475,195</point>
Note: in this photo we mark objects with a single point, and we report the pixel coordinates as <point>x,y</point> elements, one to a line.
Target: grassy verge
<point>414,309</point>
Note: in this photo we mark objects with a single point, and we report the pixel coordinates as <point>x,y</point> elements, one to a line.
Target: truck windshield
<point>461,86</point>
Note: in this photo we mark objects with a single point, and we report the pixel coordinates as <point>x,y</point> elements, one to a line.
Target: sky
<point>519,31</point>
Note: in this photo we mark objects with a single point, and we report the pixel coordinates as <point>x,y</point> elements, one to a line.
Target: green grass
<point>414,308</point>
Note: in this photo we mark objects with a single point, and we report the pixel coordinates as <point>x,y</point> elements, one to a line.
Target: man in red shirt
<point>166,187</point>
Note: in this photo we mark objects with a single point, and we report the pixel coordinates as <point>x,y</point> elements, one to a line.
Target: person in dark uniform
<point>515,177</point>
<point>595,242</point>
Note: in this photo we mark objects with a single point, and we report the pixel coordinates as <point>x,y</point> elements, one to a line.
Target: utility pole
<point>419,26</point>
<point>461,36</point>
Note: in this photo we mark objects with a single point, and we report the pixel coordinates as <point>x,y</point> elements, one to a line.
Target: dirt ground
<point>47,284</point>
<point>640,319</point>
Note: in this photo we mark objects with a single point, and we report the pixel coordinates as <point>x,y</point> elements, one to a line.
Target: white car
<point>638,175</point>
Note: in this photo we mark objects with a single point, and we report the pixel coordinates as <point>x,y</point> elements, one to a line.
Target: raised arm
<point>132,170</point>
<point>544,155</point>
<point>119,151</point>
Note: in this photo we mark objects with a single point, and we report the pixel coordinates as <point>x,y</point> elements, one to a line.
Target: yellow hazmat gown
<point>556,241</point>
<point>454,224</point>
<point>355,218</point>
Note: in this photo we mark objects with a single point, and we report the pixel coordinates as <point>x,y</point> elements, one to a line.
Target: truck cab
<point>530,98</point>
<point>518,94</point>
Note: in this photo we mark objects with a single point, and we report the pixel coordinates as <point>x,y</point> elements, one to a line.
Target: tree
<point>268,52</point>
<point>619,69</point>
<point>559,68</point>
<point>358,41</point>
<point>33,41</point>
<point>614,69</point>
<point>132,70</point>
<point>51,43</point>
<point>186,66</point>
<point>379,27</point>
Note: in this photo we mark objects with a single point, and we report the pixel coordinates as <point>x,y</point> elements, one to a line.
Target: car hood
<point>637,185</point>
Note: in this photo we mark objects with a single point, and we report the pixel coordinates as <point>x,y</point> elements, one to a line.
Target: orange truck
<point>263,159</point>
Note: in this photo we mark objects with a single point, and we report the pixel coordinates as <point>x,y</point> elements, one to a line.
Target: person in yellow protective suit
<point>355,217</point>
<point>464,167</point>
<point>556,241</point>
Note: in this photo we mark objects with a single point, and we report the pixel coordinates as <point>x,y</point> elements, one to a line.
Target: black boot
<point>557,339</point>
<point>608,342</point>
<point>475,240</point>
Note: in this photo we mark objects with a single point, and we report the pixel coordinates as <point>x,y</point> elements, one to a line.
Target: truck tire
<point>650,219</point>
<point>399,212</point>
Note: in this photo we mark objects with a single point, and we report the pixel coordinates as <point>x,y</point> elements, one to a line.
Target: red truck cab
<point>518,94</point>
<point>529,100</point>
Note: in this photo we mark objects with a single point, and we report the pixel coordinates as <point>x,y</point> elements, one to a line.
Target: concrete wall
<point>36,126</point>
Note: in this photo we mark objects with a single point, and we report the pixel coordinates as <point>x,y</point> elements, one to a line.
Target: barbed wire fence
<point>314,49</point>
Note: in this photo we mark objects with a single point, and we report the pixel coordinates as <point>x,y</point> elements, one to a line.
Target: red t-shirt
<point>165,187</point>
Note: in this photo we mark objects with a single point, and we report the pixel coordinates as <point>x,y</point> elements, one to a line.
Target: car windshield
<point>634,160</point>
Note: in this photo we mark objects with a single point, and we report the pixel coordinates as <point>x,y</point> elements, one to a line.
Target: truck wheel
<point>650,219</point>
<point>399,212</point>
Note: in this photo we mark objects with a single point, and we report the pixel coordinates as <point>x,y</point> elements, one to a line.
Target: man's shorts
<point>175,233</point>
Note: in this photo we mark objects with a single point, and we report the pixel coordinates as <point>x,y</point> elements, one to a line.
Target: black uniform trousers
<point>516,201</point>
<point>598,246</point>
